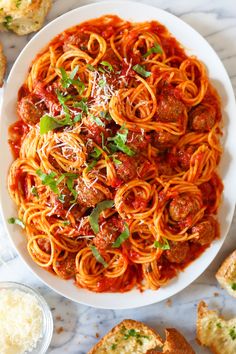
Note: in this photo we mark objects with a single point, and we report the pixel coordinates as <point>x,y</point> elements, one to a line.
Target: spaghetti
<point>116,149</point>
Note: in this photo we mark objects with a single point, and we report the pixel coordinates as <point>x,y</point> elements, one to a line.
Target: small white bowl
<point>47,328</point>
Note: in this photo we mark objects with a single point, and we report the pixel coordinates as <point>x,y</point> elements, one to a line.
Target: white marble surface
<point>77,326</point>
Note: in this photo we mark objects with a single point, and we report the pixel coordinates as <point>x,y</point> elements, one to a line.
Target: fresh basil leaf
<point>48,123</point>
<point>155,49</point>
<point>107,64</point>
<point>66,222</point>
<point>61,198</point>
<point>90,67</point>
<point>18,3</point>
<point>78,117</point>
<point>96,152</point>
<point>122,237</point>
<point>70,186</point>
<point>91,165</point>
<point>98,257</point>
<point>218,325</point>
<point>67,81</point>
<point>82,104</point>
<point>116,161</point>
<point>141,71</point>
<point>34,191</point>
<point>162,246</point>
<point>16,221</point>
<point>98,121</point>
<point>120,139</point>
<point>74,72</point>
<point>94,216</point>
<point>48,180</point>
<point>103,142</point>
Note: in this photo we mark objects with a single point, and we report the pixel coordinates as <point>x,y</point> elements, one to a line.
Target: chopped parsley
<point>232,333</point>
<point>96,152</point>
<point>107,64</point>
<point>122,237</point>
<point>120,142</point>
<point>162,246</point>
<point>18,3</point>
<point>94,216</point>
<point>133,333</point>
<point>155,49</point>
<point>233,286</point>
<point>16,221</point>
<point>7,21</point>
<point>218,325</point>
<point>98,256</point>
<point>113,346</point>
<point>141,71</point>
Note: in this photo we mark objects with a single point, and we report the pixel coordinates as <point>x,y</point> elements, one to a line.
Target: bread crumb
<point>169,303</point>
<point>58,318</point>
<point>97,335</point>
<point>59,330</point>
<point>216,294</point>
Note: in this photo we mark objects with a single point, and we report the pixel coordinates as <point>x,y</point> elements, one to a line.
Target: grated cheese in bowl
<point>23,320</point>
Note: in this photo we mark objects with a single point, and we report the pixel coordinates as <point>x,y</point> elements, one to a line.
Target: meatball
<point>178,252</point>
<point>28,109</point>
<point>206,230</point>
<point>125,166</point>
<point>184,156</point>
<point>169,108</point>
<point>138,141</point>
<point>181,207</point>
<point>110,229</point>
<point>66,268</point>
<point>88,196</point>
<point>164,168</point>
<point>202,118</point>
<point>49,97</point>
<point>164,139</point>
<point>44,245</point>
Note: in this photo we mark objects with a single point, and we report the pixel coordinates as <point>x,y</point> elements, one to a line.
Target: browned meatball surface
<point>182,206</point>
<point>126,166</point>
<point>184,156</point>
<point>206,230</point>
<point>88,196</point>
<point>28,109</point>
<point>169,108</point>
<point>164,139</point>
<point>138,141</point>
<point>202,118</point>
<point>178,252</point>
<point>109,231</point>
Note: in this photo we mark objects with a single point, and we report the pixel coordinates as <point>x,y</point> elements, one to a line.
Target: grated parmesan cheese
<point>21,322</point>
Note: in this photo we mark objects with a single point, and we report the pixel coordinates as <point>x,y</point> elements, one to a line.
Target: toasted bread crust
<point>24,18</point>
<point>176,343</point>
<point>3,64</point>
<point>129,324</point>
<point>226,274</point>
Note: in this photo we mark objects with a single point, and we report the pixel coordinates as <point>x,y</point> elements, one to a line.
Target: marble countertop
<point>77,327</point>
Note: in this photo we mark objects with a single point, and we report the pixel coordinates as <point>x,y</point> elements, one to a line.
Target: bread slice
<point>23,16</point>
<point>133,337</point>
<point>226,274</point>
<point>176,343</point>
<point>128,337</point>
<point>215,332</point>
<point>3,64</point>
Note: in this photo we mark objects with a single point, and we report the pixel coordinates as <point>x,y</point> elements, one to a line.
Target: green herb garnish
<point>233,286</point>
<point>218,325</point>
<point>113,346</point>
<point>98,121</point>
<point>34,191</point>
<point>121,238</point>
<point>70,185</point>
<point>66,80</point>
<point>141,71</point>
<point>91,165</point>
<point>156,49</point>
<point>49,180</point>
<point>232,333</point>
<point>7,21</point>
<point>66,222</point>
<point>98,256</point>
<point>82,104</point>
<point>133,333</point>
<point>102,83</point>
<point>18,3</point>
<point>96,152</point>
<point>108,65</point>
<point>90,67</point>
<point>162,246</point>
<point>119,140</point>
<point>103,142</point>
<point>16,221</point>
<point>94,216</point>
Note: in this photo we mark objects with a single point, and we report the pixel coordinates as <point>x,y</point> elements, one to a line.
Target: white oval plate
<point>194,44</point>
